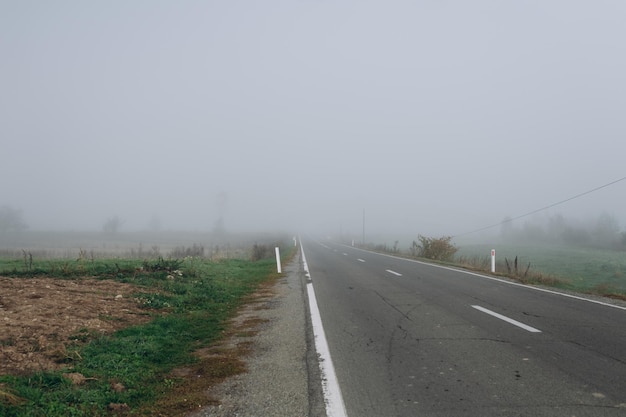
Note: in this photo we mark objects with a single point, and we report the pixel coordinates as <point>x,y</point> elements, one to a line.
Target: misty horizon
<point>311,116</point>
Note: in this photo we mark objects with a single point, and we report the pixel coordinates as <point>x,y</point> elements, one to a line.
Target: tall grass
<point>588,270</point>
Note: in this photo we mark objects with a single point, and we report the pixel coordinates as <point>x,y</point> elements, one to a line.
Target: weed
<point>515,271</point>
<point>28,261</point>
<point>7,342</point>
<point>261,252</point>
<point>607,290</point>
<point>83,335</point>
<point>479,263</point>
<point>182,252</point>
<point>168,265</point>
<point>8,397</point>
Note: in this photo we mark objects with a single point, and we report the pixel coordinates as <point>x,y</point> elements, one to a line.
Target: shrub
<point>167,265</point>
<point>440,249</point>
<point>262,252</point>
<point>182,252</point>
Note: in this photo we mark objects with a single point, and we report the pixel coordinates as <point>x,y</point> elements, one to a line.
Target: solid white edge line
<point>393,272</point>
<point>530,287</point>
<point>508,319</point>
<point>333,399</point>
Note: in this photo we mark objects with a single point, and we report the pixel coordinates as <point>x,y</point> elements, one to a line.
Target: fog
<point>408,117</point>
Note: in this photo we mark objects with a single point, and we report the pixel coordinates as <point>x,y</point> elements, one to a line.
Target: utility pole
<point>363,241</point>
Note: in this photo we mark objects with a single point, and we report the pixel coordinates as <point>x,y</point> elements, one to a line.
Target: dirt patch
<point>42,318</point>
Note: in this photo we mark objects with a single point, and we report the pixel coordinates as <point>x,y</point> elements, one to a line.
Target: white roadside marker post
<point>278,260</point>
<point>493,260</point>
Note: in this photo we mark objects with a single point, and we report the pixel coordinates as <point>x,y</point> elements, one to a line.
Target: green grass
<point>581,269</point>
<point>197,304</point>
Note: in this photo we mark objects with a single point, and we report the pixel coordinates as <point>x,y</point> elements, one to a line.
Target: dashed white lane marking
<point>360,260</point>
<point>508,319</point>
<point>333,399</point>
<point>393,272</point>
<point>517,284</point>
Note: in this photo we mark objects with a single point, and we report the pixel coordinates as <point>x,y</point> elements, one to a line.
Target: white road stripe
<point>360,260</point>
<point>508,319</point>
<point>333,399</point>
<point>517,284</point>
<point>394,272</point>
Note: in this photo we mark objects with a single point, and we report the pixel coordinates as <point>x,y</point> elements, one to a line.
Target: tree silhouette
<point>112,224</point>
<point>11,220</point>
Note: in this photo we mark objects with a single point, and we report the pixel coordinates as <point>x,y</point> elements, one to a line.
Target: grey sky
<point>436,117</point>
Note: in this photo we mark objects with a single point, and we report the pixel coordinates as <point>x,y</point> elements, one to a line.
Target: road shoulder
<point>276,381</point>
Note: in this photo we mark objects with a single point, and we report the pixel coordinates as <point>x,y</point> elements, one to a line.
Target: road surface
<point>413,339</point>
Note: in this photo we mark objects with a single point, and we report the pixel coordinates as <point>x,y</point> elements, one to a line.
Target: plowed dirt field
<point>42,320</point>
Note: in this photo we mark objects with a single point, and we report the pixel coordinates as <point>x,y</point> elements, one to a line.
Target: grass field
<point>190,300</point>
<point>137,245</point>
<point>581,269</point>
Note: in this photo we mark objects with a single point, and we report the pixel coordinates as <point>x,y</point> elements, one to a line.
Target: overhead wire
<point>508,220</point>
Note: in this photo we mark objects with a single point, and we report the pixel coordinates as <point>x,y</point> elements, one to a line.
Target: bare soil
<point>41,319</point>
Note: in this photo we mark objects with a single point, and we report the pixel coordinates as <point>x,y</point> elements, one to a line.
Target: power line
<point>543,208</point>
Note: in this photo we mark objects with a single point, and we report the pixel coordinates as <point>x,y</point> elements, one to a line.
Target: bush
<point>262,252</point>
<point>440,249</point>
<point>167,265</point>
<point>182,252</point>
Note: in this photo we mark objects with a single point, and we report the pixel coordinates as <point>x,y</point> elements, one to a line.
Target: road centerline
<point>507,319</point>
<point>393,272</point>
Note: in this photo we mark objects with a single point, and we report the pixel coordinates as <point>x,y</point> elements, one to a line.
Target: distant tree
<point>506,228</point>
<point>154,225</point>
<point>606,230</point>
<point>532,232</point>
<point>578,236</point>
<point>112,224</point>
<point>11,220</point>
<point>557,227</point>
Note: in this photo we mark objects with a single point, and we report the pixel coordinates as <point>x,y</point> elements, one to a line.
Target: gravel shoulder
<point>277,381</point>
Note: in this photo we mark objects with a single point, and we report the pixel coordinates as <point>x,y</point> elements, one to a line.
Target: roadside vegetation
<point>592,270</point>
<point>188,299</point>
<point>438,249</point>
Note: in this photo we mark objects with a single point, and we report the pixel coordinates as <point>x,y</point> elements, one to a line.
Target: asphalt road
<point>412,339</point>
